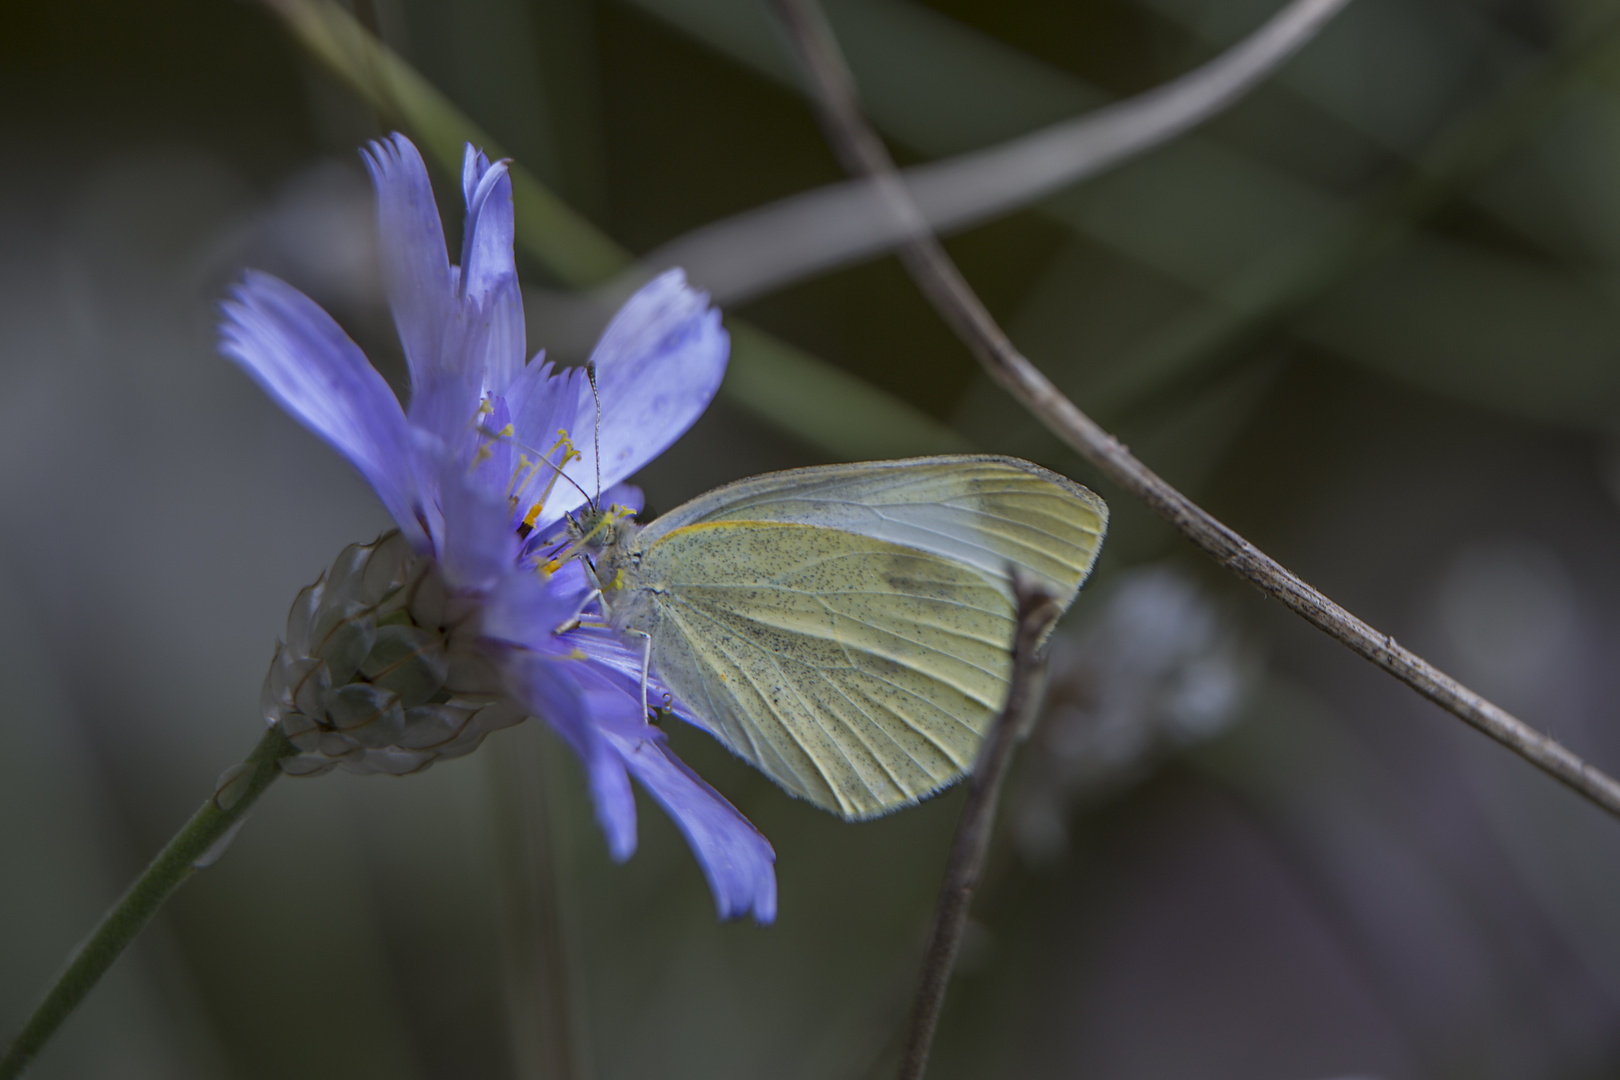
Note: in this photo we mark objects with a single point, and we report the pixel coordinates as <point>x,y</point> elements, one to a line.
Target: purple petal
<point>416,270</point>
<point>446,403</point>
<point>544,403</point>
<point>488,276</point>
<point>626,495</point>
<point>526,609</point>
<point>477,547</point>
<point>617,659</point>
<point>609,648</point>
<point>546,399</point>
<point>493,452</point>
<point>587,703</point>
<point>305,361</point>
<point>737,861</point>
<point>547,686</point>
<point>474,164</point>
<point>658,366</point>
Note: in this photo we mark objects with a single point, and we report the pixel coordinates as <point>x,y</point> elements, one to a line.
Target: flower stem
<point>193,847</point>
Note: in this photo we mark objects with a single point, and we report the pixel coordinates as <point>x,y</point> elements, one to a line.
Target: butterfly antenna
<point>596,430</point>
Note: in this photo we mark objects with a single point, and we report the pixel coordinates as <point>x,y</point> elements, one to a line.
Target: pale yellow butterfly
<point>846,628</point>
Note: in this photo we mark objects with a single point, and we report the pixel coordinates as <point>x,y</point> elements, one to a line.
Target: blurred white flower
<point>1508,609</point>
<point>1159,665</point>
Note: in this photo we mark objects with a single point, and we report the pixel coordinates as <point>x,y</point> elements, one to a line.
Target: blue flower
<point>482,470</point>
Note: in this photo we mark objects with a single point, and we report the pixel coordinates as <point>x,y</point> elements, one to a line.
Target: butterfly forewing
<point>986,512</point>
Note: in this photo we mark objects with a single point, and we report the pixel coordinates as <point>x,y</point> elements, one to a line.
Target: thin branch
<point>198,843</point>
<point>1036,612</point>
<point>862,153</point>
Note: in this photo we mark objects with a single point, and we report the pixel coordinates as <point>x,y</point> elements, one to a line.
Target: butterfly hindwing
<point>856,673</point>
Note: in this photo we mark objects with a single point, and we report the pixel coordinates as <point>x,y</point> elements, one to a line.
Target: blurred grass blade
<point>783,384</point>
<point>568,246</point>
<point>1217,223</point>
<point>764,249</point>
<point>838,413</point>
<point>1470,316</point>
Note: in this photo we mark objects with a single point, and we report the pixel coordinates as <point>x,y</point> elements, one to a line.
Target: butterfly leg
<point>573,620</point>
<point>590,598</point>
<point>646,664</point>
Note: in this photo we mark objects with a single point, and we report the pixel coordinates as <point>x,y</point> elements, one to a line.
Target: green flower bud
<point>380,670</point>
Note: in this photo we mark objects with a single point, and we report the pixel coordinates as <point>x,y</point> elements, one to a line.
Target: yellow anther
<point>515,489</point>
<point>566,444</point>
<point>511,483</point>
<point>506,432</point>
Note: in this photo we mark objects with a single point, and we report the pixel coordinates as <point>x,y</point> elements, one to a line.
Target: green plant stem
<point>191,848</point>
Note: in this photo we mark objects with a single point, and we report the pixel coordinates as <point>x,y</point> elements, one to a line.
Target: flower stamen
<point>566,445</point>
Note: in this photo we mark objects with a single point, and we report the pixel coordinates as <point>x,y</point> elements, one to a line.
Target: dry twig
<point>1036,613</point>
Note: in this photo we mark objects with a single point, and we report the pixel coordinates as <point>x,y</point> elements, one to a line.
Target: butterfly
<point>846,628</point>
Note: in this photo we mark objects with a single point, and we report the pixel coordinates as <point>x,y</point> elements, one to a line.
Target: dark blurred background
<point>1370,317</point>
